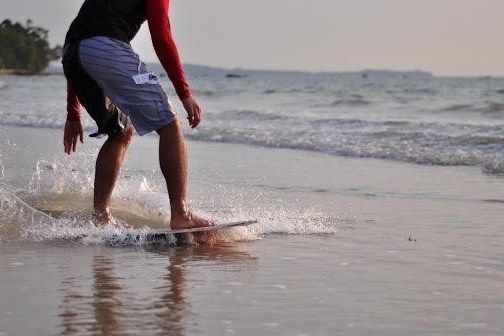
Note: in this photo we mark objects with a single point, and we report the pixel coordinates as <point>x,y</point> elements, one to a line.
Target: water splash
<point>18,220</point>
<point>22,221</point>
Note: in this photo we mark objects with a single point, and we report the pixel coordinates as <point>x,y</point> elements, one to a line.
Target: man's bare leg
<point>173,162</point>
<point>107,169</point>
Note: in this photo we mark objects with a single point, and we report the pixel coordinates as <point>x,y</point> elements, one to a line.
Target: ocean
<point>402,116</point>
<point>379,195</point>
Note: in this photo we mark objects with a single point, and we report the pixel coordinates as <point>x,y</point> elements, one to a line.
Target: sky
<point>445,37</point>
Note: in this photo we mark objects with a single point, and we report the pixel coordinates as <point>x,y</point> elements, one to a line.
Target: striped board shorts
<point>115,86</point>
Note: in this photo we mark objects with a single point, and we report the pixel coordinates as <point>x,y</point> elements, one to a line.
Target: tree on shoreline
<point>25,47</point>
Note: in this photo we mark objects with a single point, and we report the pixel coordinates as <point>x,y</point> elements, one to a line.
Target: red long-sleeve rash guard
<point>73,106</point>
<point>166,50</point>
<point>164,45</point>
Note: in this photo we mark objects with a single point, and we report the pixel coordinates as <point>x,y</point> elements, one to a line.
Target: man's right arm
<point>167,52</point>
<point>73,105</point>
<point>164,45</point>
<point>73,125</point>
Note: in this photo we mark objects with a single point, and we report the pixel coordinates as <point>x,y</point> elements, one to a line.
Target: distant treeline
<point>24,48</point>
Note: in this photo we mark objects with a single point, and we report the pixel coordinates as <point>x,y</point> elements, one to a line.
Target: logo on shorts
<point>145,78</point>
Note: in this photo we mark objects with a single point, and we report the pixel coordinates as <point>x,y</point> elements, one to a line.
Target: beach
<point>345,244</point>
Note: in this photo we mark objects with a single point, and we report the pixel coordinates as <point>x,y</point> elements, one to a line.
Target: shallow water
<point>353,246</point>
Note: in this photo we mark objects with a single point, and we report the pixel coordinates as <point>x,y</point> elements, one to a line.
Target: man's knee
<point>125,137</point>
<point>174,126</point>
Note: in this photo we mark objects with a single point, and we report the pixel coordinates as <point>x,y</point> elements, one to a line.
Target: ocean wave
<point>479,140</point>
<point>417,142</point>
<point>43,123</point>
<point>247,114</point>
<point>421,91</point>
<point>487,108</point>
<point>32,123</point>
<point>493,108</point>
<point>420,143</point>
<point>494,167</point>
<point>457,108</point>
<point>269,91</point>
<point>293,90</point>
<point>340,123</point>
<point>351,102</point>
<point>206,93</point>
<point>412,91</point>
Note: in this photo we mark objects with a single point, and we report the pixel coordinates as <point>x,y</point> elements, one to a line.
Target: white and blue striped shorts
<point>127,82</point>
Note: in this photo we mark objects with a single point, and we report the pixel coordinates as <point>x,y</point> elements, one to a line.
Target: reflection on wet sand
<point>171,299</point>
<point>106,302</point>
<point>69,314</point>
<point>170,319</point>
<point>99,313</point>
<point>113,307</point>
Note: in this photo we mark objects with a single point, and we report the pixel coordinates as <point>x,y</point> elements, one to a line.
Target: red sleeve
<point>73,105</point>
<point>164,45</point>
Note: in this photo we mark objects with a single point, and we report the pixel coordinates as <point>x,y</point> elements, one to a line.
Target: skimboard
<point>166,234</point>
<point>160,232</point>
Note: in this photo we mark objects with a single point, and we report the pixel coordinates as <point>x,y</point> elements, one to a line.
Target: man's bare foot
<point>101,218</point>
<point>189,221</point>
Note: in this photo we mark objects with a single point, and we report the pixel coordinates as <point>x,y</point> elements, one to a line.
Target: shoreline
<point>25,73</point>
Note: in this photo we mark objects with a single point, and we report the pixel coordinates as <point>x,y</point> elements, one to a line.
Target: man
<point>107,77</point>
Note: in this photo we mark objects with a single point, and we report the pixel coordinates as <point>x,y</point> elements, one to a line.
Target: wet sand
<point>344,246</point>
